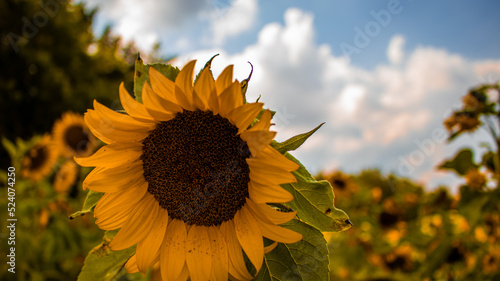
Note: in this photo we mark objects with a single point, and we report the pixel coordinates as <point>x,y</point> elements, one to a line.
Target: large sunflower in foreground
<point>187,175</point>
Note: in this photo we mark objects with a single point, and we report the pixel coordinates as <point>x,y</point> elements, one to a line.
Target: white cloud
<point>374,118</point>
<point>395,52</point>
<point>232,19</point>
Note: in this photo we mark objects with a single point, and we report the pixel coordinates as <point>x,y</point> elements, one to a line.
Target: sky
<point>383,75</point>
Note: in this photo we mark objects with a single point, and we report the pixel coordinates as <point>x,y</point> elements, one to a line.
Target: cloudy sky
<point>382,74</point>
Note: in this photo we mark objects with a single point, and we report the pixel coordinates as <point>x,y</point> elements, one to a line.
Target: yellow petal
<point>237,267</point>
<point>264,122</point>
<point>184,273</point>
<point>271,158</point>
<point>138,225</point>
<point>131,265</point>
<point>230,99</point>
<point>244,115</point>
<point>269,215</point>
<point>173,251</point>
<point>279,234</point>
<point>160,109</point>
<point>120,121</point>
<point>220,258</point>
<point>113,209</point>
<point>271,247</point>
<point>108,132</point>
<point>271,176</point>
<point>134,108</point>
<point>112,155</point>
<point>149,248</point>
<point>205,89</point>
<point>225,79</point>
<point>113,179</point>
<point>163,86</point>
<point>260,193</point>
<point>249,235</point>
<point>184,86</point>
<point>257,140</point>
<point>198,253</point>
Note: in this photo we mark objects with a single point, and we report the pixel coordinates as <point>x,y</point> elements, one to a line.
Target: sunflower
<point>65,177</point>
<point>72,136</point>
<point>187,175</point>
<point>39,160</point>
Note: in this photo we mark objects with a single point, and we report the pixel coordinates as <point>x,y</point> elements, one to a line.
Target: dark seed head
<point>195,165</point>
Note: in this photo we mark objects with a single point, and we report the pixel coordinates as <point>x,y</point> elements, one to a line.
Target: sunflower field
<point>152,172</point>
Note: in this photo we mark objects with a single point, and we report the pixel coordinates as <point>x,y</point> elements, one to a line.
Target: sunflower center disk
<point>195,167</point>
<point>76,138</point>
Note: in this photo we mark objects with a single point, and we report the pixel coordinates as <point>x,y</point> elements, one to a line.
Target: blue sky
<point>382,74</point>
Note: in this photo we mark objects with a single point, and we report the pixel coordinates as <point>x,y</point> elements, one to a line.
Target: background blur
<point>383,75</point>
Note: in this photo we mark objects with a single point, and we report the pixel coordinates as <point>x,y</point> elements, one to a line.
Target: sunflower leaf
<point>294,142</point>
<point>89,204</point>
<point>305,260</point>
<point>141,74</point>
<point>463,162</point>
<point>102,264</point>
<point>314,201</point>
<point>10,147</point>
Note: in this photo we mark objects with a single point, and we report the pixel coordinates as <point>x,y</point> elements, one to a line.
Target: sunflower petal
<point>160,109</point>
<point>138,225</point>
<point>225,79</point>
<point>249,235</point>
<point>260,193</point>
<point>198,253</point>
<point>134,108</point>
<point>230,99</point>
<point>271,158</point>
<point>108,131</point>
<point>269,215</point>
<point>204,89</point>
<point>120,121</point>
<point>163,86</point>
<point>244,115</point>
<point>113,209</point>
<point>237,267</point>
<point>148,249</point>
<point>112,155</point>
<point>173,251</point>
<point>220,258</point>
<point>264,122</point>
<point>271,176</point>
<point>131,265</point>
<point>113,179</point>
<point>278,233</point>
<point>271,247</point>
<point>257,140</point>
<point>184,86</point>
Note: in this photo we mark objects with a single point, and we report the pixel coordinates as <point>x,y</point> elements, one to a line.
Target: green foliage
<point>103,264</point>
<point>294,142</point>
<point>89,203</point>
<point>463,162</point>
<point>304,260</point>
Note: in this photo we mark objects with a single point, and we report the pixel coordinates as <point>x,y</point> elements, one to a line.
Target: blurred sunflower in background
<point>72,136</point>
<point>187,175</point>
<point>65,177</point>
<point>342,184</point>
<point>39,160</point>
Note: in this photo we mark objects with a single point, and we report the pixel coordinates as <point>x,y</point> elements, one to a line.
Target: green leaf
<point>314,201</point>
<point>305,260</point>
<point>89,204</point>
<point>294,142</point>
<point>463,161</point>
<point>141,74</point>
<point>102,264</point>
